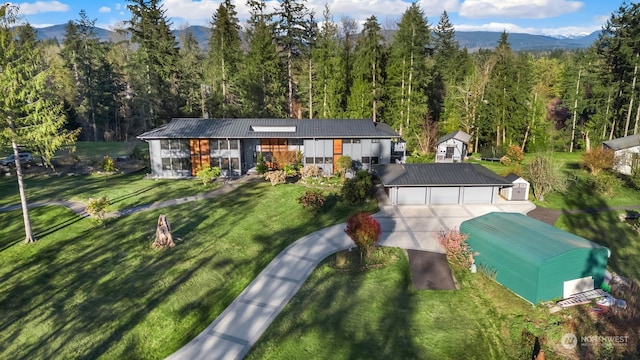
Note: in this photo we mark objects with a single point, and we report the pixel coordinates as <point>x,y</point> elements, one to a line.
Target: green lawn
<point>377,315</point>
<point>123,190</point>
<point>84,291</point>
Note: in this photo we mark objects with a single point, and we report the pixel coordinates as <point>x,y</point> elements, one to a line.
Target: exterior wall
<point>429,195</point>
<point>479,195</point>
<point>319,152</point>
<point>228,158</point>
<point>624,159</point>
<point>249,154</point>
<point>155,158</point>
<point>459,151</point>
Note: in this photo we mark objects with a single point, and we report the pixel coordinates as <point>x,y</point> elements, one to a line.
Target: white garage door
<point>478,195</point>
<point>445,195</point>
<point>412,196</point>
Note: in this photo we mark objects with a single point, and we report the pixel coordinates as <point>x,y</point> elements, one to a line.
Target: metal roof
<point>458,135</point>
<point>194,128</point>
<point>623,142</point>
<point>525,237</point>
<point>441,174</point>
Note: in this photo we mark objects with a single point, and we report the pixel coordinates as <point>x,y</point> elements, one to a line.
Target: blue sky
<point>549,17</point>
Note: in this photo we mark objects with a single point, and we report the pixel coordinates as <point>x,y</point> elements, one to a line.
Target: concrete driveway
<point>417,226</point>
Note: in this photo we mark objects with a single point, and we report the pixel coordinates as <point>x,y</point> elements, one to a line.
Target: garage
<point>535,260</point>
<point>439,184</point>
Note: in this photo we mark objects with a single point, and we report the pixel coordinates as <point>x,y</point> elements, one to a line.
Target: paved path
<point>240,325</point>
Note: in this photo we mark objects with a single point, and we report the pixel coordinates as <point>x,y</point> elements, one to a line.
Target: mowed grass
<point>86,291</point>
<point>123,190</point>
<point>377,315</point>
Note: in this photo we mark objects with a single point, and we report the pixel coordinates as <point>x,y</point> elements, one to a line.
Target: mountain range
<point>472,40</point>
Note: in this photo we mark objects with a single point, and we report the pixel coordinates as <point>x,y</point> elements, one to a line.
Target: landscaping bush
<point>606,183</point>
<point>207,173</point>
<point>421,158</point>
<point>261,167</point>
<point>97,208</point>
<point>359,188</point>
<point>513,155</point>
<point>344,164</point>
<point>545,176</point>
<point>598,159</point>
<point>290,170</point>
<point>286,158</point>
<point>312,200</point>
<point>310,171</point>
<point>276,177</point>
<point>108,164</point>
<point>455,244</point>
<point>365,231</point>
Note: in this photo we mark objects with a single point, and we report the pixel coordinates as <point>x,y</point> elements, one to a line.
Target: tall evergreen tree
<point>263,80</point>
<point>291,31</point>
<point>348,27</point>
<point>30,111</point>
<point>85,56</point>
<point>408,75</point>
<point>329,69</point>
<point>155,63</point>
<point>223,61</point>
<point>364,100</point>
<point>191,81</point>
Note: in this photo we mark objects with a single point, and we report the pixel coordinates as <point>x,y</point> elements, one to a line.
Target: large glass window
<point>213,144</point>
<point>164,144</point>
<point>224,144</point>
<point>225,164</point>
<point>235,163</point>
<point>308,160</point>
<point>215,162</point>
<point>233,144</point>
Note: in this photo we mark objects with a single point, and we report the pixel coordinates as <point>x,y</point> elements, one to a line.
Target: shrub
<point>365,231</point>
<point>310,171</point>
<point>290,170</point>
<point>606,183</point>
<point>138,154</point>
<point>276,177</point>
<point>312,200</point>
<point>598,159</point>
<point>261,167</point>
<point>545,176</point>
<point>207,173</point>
<point>514,154</point>
<point>455,243</point>
<point>344,164</point>
<point>108,165</point>
<point>97,208</point>
<point>358,189</point>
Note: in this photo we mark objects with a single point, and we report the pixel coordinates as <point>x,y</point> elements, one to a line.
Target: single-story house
<point>626,150</point>
<point>445,183</point>
<point>533,259</point>
<point>519,191</point>
<point>452,147</point>
<point>180,148</point>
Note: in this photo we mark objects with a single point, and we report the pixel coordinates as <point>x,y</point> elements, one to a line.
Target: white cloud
<point>104,9</point>
<point>118,6</point>
<point>528,9</point>
<point>42,7</point>
<point>388,12</point>
<point>514,29</point>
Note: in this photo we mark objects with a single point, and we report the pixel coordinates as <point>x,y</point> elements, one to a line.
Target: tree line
<point>287,62</point>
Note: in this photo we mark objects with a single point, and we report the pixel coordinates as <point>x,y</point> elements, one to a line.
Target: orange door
<point>337,152</point>
<point>199,150</point>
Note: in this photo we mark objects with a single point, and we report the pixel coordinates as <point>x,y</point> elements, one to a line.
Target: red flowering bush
<point>365,231</point>
<point>455,243</point>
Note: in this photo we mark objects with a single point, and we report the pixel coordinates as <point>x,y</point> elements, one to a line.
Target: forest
<point>291,62</point>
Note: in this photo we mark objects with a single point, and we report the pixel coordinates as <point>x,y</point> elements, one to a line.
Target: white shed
<point>627,151</point>
<point>519,191</point>
<point>452,148</point>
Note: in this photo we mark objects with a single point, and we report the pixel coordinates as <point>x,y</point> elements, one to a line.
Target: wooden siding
<point>199,150</point>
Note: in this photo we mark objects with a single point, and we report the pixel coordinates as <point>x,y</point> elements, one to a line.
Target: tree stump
<point>163,234</point>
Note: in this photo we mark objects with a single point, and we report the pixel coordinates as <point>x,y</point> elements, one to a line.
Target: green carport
<point>535,260</point>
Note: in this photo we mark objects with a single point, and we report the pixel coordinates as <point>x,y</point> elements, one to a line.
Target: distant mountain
<point>472,40</point>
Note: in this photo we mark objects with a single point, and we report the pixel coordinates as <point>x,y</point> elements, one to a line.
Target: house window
<point>374,160</point>
<point>224,144</point>
<point>308,160</point>
<point>450,151</point>
<point>366,160</point>
<point>319,160</point>
<point>174,144</point>
<point>346,141</point>
<point>235,164</point>
<point>328,160</point>
<point>173,164</point>
<point>225,164</point>
<point>214,144</point>
<point>355,141</point>
<point>233,144</point>
<point>375,141</point>
<point>164,144</point>
<point>215,162</point>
